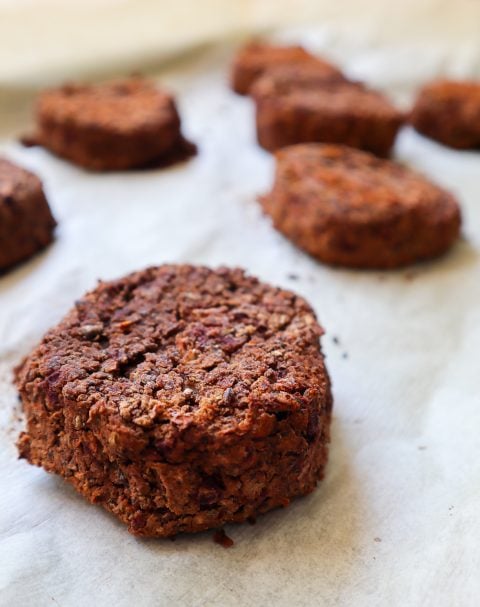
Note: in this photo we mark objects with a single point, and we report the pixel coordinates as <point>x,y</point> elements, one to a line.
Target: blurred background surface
<point>44,40</point>
<point>394,45</point>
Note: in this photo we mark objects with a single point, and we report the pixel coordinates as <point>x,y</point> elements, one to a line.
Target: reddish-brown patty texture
<point>350,208</point>
<point>449,111</point>
<point>26,222</point>
<point>181,398</point>
<point>113,126</point>
<point>283,79</point>
<point>292,111</point>
<point>256,58</point>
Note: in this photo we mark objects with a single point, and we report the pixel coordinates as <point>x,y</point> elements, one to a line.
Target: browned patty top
<point>264,55</point>
<point>258,57</point>
<point>182,350</point>
<point>16,183</point>
<point>282,79</point>
<point>338,181</point>
<point>265,52</point>
<point>334,96</point>
<point>456,99</point>
<point>453,91</point>
<point>125,106</point>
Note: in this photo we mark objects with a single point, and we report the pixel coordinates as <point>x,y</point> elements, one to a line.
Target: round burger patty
<point>118,125</point>
<point>326,110</point>
<point>26,222</point>
<point>449,112</point>
<point>347,207</point>
<point>180,398</point>
<point>257,58</point>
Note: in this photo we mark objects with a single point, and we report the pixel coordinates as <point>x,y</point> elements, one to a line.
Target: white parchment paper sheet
<point>395,522</point>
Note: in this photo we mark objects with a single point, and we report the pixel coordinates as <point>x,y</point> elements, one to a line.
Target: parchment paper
<point>395,522</point>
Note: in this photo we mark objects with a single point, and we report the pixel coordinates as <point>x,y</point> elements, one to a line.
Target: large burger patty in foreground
<point>181,398</point>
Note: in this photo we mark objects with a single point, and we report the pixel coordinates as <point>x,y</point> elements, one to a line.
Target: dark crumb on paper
<point>251,520</point>
<point>293,276</point>
<point>422,447</point>
<point>220,537</point>
<point>345,355</point>
<point>335,340</point>
<point>377,539</point>
<point>358,420</point>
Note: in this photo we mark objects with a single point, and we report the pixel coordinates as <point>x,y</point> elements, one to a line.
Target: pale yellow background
<point>48,39</point>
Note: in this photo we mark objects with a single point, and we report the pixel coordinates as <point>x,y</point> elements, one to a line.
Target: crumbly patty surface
<point>181,398</point>
<point>113,126</point>
<point>26,223</point>
<point>350,208</point>
<point>449,112</point>
<point>257,58</point>
<point>308,109</point>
